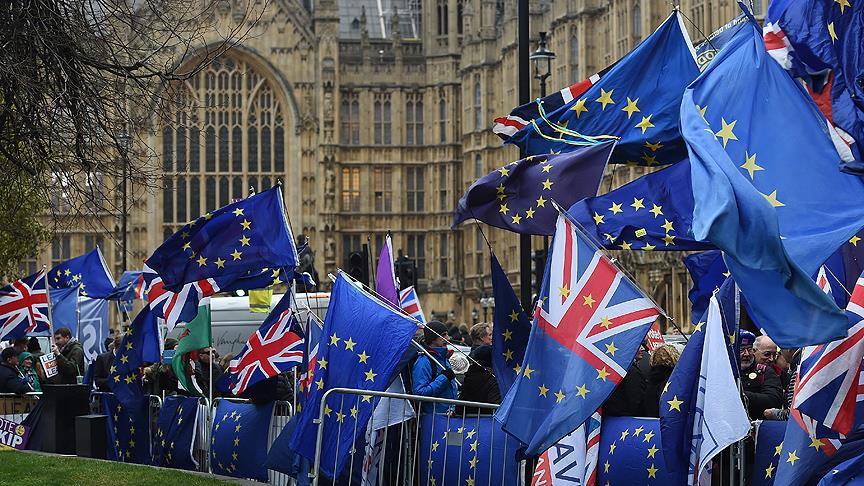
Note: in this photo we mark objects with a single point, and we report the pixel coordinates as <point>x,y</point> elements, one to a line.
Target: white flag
<point>720,419</point>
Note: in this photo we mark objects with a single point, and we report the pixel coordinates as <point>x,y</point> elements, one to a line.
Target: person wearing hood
<point>69,355</point>
<point>27,368</point>
<point>427,377</point>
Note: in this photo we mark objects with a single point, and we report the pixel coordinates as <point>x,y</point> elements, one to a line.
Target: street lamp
<point>124,141</point>
<point>542,59</point>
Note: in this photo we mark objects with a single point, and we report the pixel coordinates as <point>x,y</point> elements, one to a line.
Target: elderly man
<point>762,388</point>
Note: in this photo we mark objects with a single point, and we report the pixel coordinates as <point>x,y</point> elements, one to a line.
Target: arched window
<point>637,18</point>
<point>442,120</point>
<point>574,56</point>
<point>478,103</point>
<point>228,118</point>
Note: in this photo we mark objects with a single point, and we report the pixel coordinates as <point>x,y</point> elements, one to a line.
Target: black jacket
<point>70,363</point>
<point>11,381</point>
<point>480,386</point>
<point>628,396</point>
<point>762,390</point>
<point>657,378</point>
<point>101,370</point>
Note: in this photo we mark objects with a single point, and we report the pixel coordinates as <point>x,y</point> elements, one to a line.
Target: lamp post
<point>124,140</point>
<point>542,59</point>
<point>486,303</point>
<point>523,69</point>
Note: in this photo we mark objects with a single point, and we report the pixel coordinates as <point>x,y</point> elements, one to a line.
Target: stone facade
<point>376,121</point>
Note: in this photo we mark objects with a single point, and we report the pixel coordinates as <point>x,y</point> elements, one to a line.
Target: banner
<point>92,326</point>
<point>654,338</point>
<point>13,435</point>
<point>49,364</point>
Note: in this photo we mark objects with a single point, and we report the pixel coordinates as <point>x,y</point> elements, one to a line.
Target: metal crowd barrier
<point>201,448</point>
<point>404,426</point>
<point>16,407</point>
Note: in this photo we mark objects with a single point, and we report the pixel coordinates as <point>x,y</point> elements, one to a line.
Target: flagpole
<point>591,241</point>
<point>50,317</point>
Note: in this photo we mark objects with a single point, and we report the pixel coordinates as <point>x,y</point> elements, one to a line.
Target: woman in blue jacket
<point>427,378</point>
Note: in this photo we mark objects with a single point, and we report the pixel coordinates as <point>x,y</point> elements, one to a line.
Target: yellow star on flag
<point>648,436</point>
<point>651,451</point>
<point>612,447</point>
<point>778,449</point>
<point>504,171</point>
<point>349,344</point>
<point>363,357</point>
<point>610,348</point>
<point>322,364</point>
<point>616,208</point>
<point>726,132</point>
<point>649,160</point>
<point>514,316</point>
<point>668,239</point>
<point>605,98</point>
<point>645,124</point>
<point>652,471</point>
<point>831,32</point>
<point>201,261</point>
<point>334,339</point>
<point>637,203</point>
<point>772,198</point>
<point>843,5</point>
<point>559,396</point>
<point>648,246</point>
<point>792,457</point>
<point>186,246</point>
<point>602,374</point>
<point>816,443</point>
<point>638,431</point>
<point>340,417</point>
<point>631,107</point>
<point>503,209</point>
<point>220,263</point>
<point>625,245</point>
<point>508,355</point>
<point>236,254</point>
<point>588,300</point>
<point>750,164</point>
<point>624,434</point>
<point>516,219</point>
<point>541,202</point>
<point>564,292</point>
<point>246,224</point>
<point>238,212</point>
<point>244,241</point>
<point>547,184</point>
<point>653,146</point>
<point>769,471</point>
<point>656,210</point>
<point>370,376</point>
<point>527,372</point>
<point>529,213</point>
<point>508,334</point>
<point>547,168</point>
<point>320,383</point>
<point>543,390</point>
<point>605,323</point>
<point>579,108</point>
<point>698,326</point>
<point>675,404</point>
<point>854,240</point>
<point>582,391</point>
<point>667,225</point>
<point>598,218</point>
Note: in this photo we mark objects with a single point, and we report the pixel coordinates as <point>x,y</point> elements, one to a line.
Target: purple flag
<point>385,279</point>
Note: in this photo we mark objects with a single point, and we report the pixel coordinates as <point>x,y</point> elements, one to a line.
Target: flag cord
<point>420,324</point>
<point>838,281</point>
<point>584,233</point>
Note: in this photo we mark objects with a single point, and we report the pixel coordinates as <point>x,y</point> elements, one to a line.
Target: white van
<point>232,323</point>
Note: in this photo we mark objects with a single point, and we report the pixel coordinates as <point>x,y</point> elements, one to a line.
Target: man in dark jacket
<point>102,366</point>
<point>69,355</point>
<point>480,384</point>
<point>761,385</point>
<point>11,380</point>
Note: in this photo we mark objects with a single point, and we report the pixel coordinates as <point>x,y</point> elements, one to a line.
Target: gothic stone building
<point>376,115</point>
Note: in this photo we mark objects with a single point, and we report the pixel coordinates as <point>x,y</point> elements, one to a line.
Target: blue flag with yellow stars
<point>244,236</point>
<point>128,288</point>
<point>456,450</point>
<point>510,330</point>
<point>653,212</point>
<point>361,344</point>
<point>771,207</point>
<point>678,402</point>
<point>518,197</point>
<point>769,444</point>
<point>636,102</point>
<point>708,273</point>
<point>140,345</point>
<point>631,452</point>
<point>822,37</point>
<point>64,312</point>
<point>176,428</point>
<point>128,431</point>
<point>88,271</point>
<point>238,443</point>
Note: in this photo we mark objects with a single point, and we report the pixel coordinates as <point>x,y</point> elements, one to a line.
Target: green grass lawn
<point>17,468</point>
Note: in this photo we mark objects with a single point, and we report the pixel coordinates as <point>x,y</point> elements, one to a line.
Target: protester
<point>762,389</point>
<point>225,361</point>
<point>20,344</point>
<point>481,335</point>
<point>103,363</point>
<point>628,396</point>
<point>11,380</point>
<point>203,371</point>
<point>662,362</point>
<point>34,347</point>
<point>767,353</point>
<point>464,335</point>
<point>480,384</point>
<point>789,360</point>
<point>28,368</point>
<point>428,379</point>
<point>70,357</point>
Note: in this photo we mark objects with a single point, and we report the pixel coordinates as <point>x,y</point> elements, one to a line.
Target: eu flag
<point>588,325</point>
<point>812,36</point>
<point>769,443</point>
<point>653,212</point>
<point>88,271</point>
<point>637,101</point>
<point>64,311</point>
<point>238,442</point>
<point>127,288</point>
<point>361,345</point>
<point>751,191</point>
<point>176,428</point>
<point>708,271</point>
<point>679,402</point>
<point>235,239</point>
<point>128,430</point>
<point>457,450</point>
<point>140,345</point>
<point>510,330</point>
<point>518,197</point>
<point>631,452</point>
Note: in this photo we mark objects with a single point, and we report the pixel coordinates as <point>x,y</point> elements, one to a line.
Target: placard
<point>13,435</point>
<point>49,364</point>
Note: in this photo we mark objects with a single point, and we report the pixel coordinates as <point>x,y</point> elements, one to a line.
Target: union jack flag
<point>827,384</point>
<point>175,307</point>
<point>23,306</point>
<point>275,347</point>
<point>310,359</point>
<point>411,304</point>
<point>589,323</point>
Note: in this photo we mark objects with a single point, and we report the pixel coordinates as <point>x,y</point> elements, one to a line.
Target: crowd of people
<point>767,373</point>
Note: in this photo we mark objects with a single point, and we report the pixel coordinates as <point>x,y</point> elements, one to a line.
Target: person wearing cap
<point>428,379</point>
<point>11,380</point>
<point>761,385</point>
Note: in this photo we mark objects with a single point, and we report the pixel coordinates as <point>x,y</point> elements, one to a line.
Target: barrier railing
<point>413,422</point>
<point>16,407</point>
